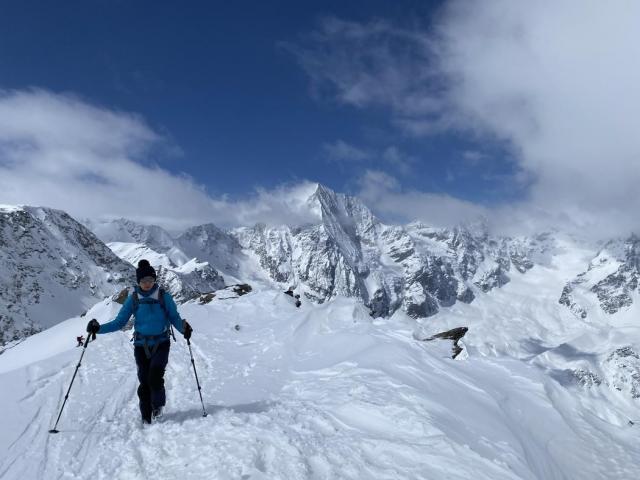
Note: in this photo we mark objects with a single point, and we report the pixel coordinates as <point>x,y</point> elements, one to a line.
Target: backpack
<point>169,330</point>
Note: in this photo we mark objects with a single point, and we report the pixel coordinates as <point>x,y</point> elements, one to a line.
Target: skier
<point>154,311</point>
<point>80,341</point>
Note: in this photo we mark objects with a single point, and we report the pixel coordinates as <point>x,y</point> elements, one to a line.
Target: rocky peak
<point>344,215</point>
<point>418,268</point>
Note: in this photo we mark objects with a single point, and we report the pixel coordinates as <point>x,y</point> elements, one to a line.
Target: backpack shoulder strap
<point>135,299</point>
<point>161,292</point>
<point>163,305</point>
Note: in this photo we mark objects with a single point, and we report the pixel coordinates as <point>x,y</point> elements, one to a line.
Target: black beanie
<point>144,270</point>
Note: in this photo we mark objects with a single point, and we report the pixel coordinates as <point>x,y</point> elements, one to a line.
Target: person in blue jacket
<point>154,310</point>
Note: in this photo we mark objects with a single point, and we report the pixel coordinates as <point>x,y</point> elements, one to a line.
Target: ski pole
<point>204,412</point>
<point>53,430</point>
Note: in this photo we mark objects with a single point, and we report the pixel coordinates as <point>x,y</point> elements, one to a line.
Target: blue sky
<point>217,79</point>
<point>524,113</point>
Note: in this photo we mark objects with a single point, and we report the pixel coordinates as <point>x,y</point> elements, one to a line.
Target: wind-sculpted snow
<point>320,392</point>
<point>52,267</point>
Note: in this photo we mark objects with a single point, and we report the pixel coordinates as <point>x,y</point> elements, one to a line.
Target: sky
<point>524,113</point>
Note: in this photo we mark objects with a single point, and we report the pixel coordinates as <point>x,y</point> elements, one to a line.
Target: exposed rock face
<point>347,251</point>
<point>416,268</point>
<point>612,276</point>
<point>52,268</point>
<point>586,378</point>
<point>566,299</point>
<point>619,370</point>
<point>622,371</point>
<point>455,334</point>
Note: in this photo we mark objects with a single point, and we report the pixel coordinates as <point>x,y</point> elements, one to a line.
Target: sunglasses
<point>147,280</point>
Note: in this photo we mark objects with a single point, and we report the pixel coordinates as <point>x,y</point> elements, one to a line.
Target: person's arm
<point>172,309</point>
<point>121,320</point>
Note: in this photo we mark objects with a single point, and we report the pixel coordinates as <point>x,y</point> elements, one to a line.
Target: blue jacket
<point>150,319</point>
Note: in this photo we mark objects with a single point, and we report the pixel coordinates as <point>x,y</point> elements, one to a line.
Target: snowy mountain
<point>123,230</point>
<point>211,244</point>
<point>416,268</point>
<point>346,252</point>
<point>52,268</point>
<point>185,281</point>
<point>359,382</point>
<point>610,280</point>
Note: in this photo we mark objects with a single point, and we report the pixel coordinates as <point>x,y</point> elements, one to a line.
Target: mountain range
<point>55,266</point>
<point>356,382</point>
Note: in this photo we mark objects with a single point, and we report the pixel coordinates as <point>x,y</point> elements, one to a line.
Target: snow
<point>320,392</point>
<point>10,208</point>
<point>325,391</point>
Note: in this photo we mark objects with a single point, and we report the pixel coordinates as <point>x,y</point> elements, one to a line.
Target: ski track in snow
<point>321,392</point>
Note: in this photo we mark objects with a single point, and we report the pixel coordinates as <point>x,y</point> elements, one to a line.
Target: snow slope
<point>320,392</point>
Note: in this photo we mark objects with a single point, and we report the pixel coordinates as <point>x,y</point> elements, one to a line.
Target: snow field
<point>320,392</point>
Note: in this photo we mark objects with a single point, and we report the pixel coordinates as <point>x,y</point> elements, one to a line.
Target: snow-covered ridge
<point>327,390</point>
<point>321,392</point>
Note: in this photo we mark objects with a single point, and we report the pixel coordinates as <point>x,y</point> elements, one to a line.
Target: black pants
<point>151,376</point>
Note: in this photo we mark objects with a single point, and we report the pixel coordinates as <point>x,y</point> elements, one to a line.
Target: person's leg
<point>157,367</point>
<point>144,392</point>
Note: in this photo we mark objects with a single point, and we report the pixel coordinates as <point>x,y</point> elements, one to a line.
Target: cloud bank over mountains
<point>60,151</point>
<point>555,83</point>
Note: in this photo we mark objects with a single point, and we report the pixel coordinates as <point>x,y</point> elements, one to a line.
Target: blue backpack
<point>145,338</point>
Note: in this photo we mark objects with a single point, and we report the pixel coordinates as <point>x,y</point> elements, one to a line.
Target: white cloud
<point>391,157</point>
<point>384,194</point>
<point>342,151</point>
<point>368,65</point>
<point>62,152</point>
<point>557,81</point>
<point>398,160</point>
<point>472,157</point>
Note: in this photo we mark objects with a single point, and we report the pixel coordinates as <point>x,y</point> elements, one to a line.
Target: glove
<point>186,330</point>
<point>93,326</point>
